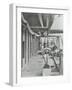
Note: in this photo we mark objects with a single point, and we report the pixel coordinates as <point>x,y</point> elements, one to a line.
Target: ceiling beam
<point>40,19</point>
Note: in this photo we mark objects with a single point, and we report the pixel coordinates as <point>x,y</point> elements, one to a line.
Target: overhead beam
<point>37,29</point>
<point>29,29</point>
<point>40,19</point>
<point>47,22</point>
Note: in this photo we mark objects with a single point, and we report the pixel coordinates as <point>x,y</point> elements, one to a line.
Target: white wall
<point>58,23</point>
<point>4,42</point>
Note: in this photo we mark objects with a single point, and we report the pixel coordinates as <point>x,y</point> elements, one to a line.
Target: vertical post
<point>26,47</point>
<point>58,42</point>
<point>29,45</point>
<point>22,47</point>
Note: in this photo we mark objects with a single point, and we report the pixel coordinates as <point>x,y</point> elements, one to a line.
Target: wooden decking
<point>35,68</point>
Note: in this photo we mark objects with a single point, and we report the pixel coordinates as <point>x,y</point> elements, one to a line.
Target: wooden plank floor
<point>35,68</point>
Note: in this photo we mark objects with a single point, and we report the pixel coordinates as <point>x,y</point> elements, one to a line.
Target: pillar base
<point>46,71</point>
